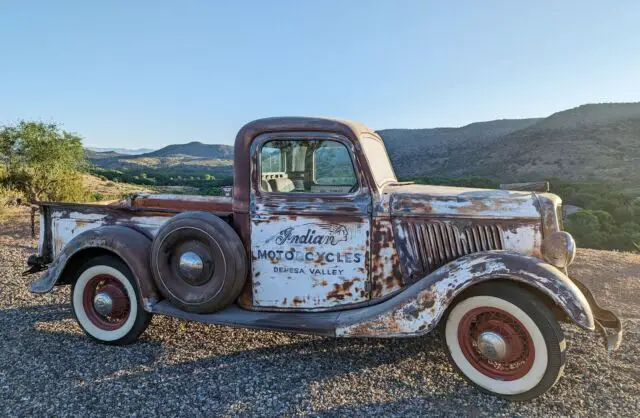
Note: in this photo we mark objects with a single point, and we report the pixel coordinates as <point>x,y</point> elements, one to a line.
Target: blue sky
<point>151,73</point>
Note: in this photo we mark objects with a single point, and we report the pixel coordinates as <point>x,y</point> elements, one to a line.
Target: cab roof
<point>254,128</point>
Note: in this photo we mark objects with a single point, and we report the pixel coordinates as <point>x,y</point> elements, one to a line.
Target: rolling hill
<point>590,142</point>
<point>414,147</point>
<point>595,142</point>
<point>123,151</point>
<point>193,156</point>
<point>194,149</point>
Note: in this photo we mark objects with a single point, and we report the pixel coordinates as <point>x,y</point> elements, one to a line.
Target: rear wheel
<point>506,341</point>
<point>105,302</point>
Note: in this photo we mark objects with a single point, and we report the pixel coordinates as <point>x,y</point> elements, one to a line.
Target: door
<point>310,223</point>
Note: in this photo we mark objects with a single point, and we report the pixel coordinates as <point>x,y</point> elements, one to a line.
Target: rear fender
<point>130,245</point>
<point>419,308</point>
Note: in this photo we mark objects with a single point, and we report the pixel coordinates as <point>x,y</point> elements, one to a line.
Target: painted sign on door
<point>308,262</point>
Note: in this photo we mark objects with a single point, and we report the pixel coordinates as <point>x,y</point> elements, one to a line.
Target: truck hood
<point>446,201</point>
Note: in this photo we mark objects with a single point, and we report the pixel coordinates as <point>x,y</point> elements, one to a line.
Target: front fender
<point>130,245</point>
<point>418,309</point>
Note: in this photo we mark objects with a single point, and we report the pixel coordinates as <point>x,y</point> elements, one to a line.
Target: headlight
<point>559,249</point>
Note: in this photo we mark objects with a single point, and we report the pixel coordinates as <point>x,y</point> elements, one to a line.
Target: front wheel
<point>105,302</point>
<point>505,341</point>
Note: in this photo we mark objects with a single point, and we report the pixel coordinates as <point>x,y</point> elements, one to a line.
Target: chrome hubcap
<point>103,303</point>
<point>191,265</point>
<point>492,345</point>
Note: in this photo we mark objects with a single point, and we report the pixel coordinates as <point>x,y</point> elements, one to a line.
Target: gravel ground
<point>48,367</point>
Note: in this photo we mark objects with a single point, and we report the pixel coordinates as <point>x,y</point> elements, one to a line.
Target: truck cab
<point>320,237</point>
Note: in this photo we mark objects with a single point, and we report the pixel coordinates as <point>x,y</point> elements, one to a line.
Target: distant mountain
<point>193,157</point>
<point>124,151</point>
<point>598,142</point>
<point>99,155</point>
<point>194,149</point>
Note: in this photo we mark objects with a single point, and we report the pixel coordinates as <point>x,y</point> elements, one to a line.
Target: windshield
<point>378,159</point>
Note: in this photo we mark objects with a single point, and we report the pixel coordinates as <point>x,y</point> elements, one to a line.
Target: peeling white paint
<point>416,199</point>
<point>424,319</point>
<point>308,262</point>
<point>65,227</point>
<point>525,239</point>
<point>422,307</point>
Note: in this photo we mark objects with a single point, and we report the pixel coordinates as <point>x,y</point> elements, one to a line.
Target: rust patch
<point>417,205</point>
<point>386,274</point>
<point>184,203</point>
<point>340,291</point>
<point>245,299</point>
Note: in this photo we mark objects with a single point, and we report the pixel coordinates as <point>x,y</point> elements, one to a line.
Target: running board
<point>317,323</point>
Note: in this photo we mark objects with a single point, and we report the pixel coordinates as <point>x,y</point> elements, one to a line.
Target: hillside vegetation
<point>595,142</point>
<point>426,152</point>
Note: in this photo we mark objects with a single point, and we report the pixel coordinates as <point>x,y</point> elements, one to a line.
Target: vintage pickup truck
<point>319,237</point>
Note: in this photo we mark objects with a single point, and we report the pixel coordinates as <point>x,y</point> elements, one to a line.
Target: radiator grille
<point>434,244</point>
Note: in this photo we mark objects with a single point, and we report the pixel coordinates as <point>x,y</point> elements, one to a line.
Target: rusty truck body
<point>320,237</point>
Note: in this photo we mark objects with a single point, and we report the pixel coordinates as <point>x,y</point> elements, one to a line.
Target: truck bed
<point>61,222</point>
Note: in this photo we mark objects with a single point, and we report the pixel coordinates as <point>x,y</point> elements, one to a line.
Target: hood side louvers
<point>431,244</point>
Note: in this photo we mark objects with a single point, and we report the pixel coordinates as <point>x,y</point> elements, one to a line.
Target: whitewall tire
<point>105,301</point>
<point>505,340</point>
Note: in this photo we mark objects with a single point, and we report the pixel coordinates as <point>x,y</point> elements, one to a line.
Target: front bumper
<point>606,322</point>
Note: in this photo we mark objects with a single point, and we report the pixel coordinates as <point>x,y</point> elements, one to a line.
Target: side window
<point>306,166</point>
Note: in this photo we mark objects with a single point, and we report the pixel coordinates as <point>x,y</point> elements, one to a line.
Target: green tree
<point>607,224</point>
<point>585,227</point>
<point>42,161</point>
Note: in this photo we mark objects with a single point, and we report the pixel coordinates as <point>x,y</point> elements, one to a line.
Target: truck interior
<point>306,166</point>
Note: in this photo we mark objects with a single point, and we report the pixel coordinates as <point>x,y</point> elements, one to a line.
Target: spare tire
<point>198,262</point>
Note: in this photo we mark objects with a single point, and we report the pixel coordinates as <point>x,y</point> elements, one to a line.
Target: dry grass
<point>16,226</point>
<point>110,189</point>
<point>613,276</point>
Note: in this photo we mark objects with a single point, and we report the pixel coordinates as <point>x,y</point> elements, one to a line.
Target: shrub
<point>96,197</point>
<point>42,161</point>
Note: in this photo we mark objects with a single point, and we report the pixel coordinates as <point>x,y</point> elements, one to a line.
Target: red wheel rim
<point>121,308</point>
<point>519,354</point>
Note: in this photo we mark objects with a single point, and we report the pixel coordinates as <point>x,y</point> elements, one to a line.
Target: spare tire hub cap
<point>191,265</point>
